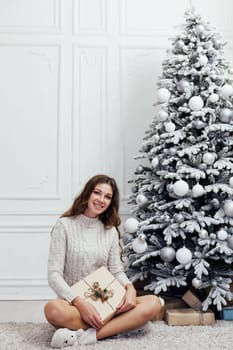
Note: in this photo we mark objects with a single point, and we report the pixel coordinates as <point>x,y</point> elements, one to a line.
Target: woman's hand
<point>88,312</point>
<point>129,300</point>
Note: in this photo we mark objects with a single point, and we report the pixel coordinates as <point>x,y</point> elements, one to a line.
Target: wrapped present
<point>192,300</point>
<point>189,317</point>
<point>101,289</point>
<point>227,313</point>
<point>170,303</point>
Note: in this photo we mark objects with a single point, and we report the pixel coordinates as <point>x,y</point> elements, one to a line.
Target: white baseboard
<point>22,311</point>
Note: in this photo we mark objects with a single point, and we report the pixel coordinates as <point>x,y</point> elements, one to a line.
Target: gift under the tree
<point>227,313</point>
<point>189,317</point>
<point>192,300</point>
<point>101,289</point>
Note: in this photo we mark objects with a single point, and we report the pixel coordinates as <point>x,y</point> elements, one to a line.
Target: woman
<point>83,239</point>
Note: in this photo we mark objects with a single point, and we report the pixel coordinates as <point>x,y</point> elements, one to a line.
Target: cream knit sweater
<point>78,246</point>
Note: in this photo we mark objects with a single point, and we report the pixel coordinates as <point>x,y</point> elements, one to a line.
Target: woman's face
<point>99,200</point>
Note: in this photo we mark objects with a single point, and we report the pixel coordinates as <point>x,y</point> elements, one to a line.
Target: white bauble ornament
<point>178,218</point>
<point>230,70</point>
<point>230,242</point>
<point>222,234</point>
<point>141,199</point>
<point>134,188</point>
<point>162,115</point>
<point>167,254</point>
<point>231,181</point>
<point>198,190</point>
<point>196,103</point>
<point>196,283</point>
<point>183,256</point>
<point>131,225</point>
<point>198,124</point>
<point>139,169</point>
<point>227,90</point>
<point>170,127</point>
<point>203,60</point>
<point>155,162</point>
<point>183,85</point>
<point>181,188</point>
<point>228,208</point>
<point>139,245</point>
<point>209,158</point>
<point>126,238</point>
<point>203,234</point>
<point>213,98</point>
<point>226,115</point>
<point>163,95</point>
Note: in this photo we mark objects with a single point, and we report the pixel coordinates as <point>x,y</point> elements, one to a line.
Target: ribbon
<point>96,292</point>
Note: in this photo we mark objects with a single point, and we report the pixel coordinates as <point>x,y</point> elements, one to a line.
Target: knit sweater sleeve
<point>115,264</point>
<point>56,263</point>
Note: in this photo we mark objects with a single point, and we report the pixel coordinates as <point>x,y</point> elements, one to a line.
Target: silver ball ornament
<point>226,115</point>
<point>167,254</point>
<point>141,199</point>
<point>227,90</point>
<point>178,218</point>
<point>196,103</point>
<point>203,60</point>
<point>131,225</point>
<point>126,238</point>
<point>183,85</point>
<point>162,115</point>
<point>196,282</point>
<point>170,127</point>
<point>198,124</point>
<point>228,208</point>
<point>213,98</point>
<point>203,234</point>
<point>198,191</point>
<point>139,169</point>
<point>134,189</point>
<point>183,256</point>
<point>222,235</point>
<point>209,158</point>
<point>181,188</point>
<point>163,95</point>
<point>139,245</point>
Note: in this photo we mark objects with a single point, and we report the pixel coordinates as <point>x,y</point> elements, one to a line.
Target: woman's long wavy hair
<point>110,217</point>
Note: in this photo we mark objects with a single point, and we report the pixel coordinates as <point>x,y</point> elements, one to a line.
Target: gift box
<point>189,317</point>
<point>227,313</point>
<point>170,303</point>
<point>101,289</point>
<point>192,300</point>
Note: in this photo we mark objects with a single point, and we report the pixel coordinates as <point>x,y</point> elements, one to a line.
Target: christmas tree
<point>181,232</point>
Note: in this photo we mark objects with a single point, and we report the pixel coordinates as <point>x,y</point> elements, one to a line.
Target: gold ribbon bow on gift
<point>96,292</point>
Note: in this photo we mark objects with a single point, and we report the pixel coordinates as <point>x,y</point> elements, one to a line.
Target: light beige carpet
<point>31,336</point>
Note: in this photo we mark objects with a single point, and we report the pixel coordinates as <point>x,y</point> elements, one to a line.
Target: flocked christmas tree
<point>181,232</point>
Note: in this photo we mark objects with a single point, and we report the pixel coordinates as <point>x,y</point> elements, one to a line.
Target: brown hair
<point>110,217</point>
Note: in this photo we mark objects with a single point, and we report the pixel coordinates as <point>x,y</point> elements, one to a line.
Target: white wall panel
<point>89,114</point>
<point>29,106</point>
<point>29,15</point>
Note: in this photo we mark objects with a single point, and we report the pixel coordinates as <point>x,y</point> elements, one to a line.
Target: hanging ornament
<point>178,218</point>
<point>139,245</point>
<point>131,225</point>
<point>230,242</point>
<point>198,191</point>
<point>222,234</point>
<point>230,71</point>
<point>181,188</point>
<point>203,234</point>
<point>196,103</point>
<point>226,115</point>
<point>145,147</point>
<point>155,162</point>
<point>162,115</point>
<point>196,283</point>
<point>126,238</point>
<point>228,208</point>
<point>209,158</point>
<point>215,203</point>
<point>203,60</point>
<point>213,98</point>
<point>183,256</point>
<point>141,199</point>
<point>231,181</point>
<point>227,90</point>
<point>167,254</point>
<point>198,124</point>
<point>163,95</point>
<point>139,169</point>
<point>134,188</point>
<point>170,127</point>
<point>183,85</point>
